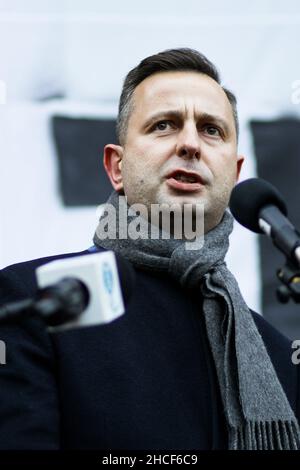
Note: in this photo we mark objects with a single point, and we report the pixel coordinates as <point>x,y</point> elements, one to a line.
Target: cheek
<point>142,160</point>
<point>225,166</point>
<point>136,173</point>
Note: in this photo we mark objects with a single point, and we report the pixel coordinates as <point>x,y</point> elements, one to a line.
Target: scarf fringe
<point>266,435</point>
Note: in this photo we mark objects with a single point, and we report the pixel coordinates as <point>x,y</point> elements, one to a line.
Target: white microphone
<point>77,291</point>
<point>99,274</point>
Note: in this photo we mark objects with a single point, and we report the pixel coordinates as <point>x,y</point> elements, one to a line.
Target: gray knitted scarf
<point>257,411</point>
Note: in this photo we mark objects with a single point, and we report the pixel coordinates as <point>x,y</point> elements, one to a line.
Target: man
<point>188,366</point>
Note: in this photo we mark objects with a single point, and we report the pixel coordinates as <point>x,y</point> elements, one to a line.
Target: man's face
<point>181,144</point>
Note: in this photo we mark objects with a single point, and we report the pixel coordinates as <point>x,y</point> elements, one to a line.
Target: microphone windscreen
<point>249,197</point>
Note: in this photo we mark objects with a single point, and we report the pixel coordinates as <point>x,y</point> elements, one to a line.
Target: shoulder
<point>278,346</point>
<point>273,337</point>
<point>275,341</point>
<point>280,351</point>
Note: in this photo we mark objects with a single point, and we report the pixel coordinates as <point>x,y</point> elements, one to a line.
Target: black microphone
<point>258,205</point>
<point>63,301</point>
<point>57,304</point>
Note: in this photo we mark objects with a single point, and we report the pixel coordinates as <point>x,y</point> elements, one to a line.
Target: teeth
<point>185,179</point>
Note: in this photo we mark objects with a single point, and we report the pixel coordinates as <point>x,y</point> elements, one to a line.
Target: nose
<point>188,143</point>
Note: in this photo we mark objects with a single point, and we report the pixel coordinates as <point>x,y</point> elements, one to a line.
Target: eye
<point>212,130</point>
<point>162,125</point>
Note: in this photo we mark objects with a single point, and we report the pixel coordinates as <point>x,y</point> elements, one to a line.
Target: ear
<point>239,164</point>
<point>112,161</point>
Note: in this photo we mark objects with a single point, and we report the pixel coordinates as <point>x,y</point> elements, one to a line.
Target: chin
<point>167,198</point>
<point>182,200</point>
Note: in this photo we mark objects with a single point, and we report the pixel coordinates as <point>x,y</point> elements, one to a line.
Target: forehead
<point>188,91</point>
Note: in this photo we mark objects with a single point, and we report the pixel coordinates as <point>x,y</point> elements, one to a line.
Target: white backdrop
<point>83,50</point>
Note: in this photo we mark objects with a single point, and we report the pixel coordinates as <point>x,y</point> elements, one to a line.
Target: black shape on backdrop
<point>79,144</point>
<point>277,149</point>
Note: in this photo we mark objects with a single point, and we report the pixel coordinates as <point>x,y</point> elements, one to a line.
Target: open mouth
<point>184,180</point>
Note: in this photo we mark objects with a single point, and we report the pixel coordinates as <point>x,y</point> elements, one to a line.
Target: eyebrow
<point>179,115</point>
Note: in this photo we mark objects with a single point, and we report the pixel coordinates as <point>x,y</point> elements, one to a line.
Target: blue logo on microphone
<point>108,278</point>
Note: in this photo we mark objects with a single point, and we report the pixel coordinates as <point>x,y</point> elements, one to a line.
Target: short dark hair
<point>183,59</point>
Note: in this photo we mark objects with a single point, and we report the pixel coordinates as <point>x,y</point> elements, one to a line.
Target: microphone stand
<point>289,275</point>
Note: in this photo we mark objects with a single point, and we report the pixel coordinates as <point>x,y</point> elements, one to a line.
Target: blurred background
<point>62,64</point>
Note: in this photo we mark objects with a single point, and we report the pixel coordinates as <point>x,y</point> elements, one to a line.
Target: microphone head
<point>108,279</point>
<point>249,197</point>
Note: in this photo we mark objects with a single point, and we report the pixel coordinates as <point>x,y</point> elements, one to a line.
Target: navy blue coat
<point>144,381</point>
